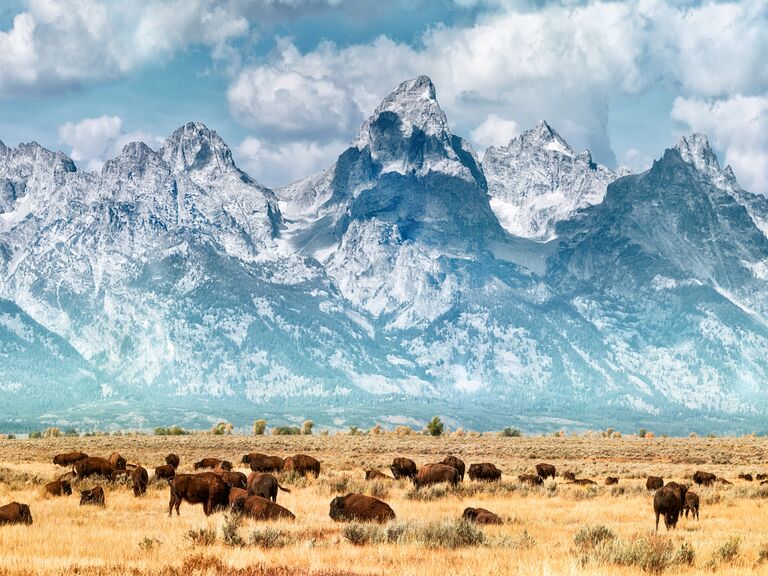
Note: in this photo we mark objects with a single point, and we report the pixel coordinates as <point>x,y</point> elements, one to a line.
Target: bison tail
<point>283,489</point>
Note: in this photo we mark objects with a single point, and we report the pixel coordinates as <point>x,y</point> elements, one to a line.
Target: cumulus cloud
<point>737,127</point>
<point>92,141</point>
<point>495,131</point>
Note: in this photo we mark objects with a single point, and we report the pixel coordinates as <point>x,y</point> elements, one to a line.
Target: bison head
<point>25,514</point>
<point>338,505</point>
<point>469,514</point>
<point>246,459</point>
<point>66,487</point>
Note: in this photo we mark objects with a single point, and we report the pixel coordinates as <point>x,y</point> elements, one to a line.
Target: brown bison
<point>531,479</point>
<point>654,483</point>
<point>436,473</point>
<point>724,482</point>
<point>583,482</point>
<point>233,478</point>
<point>704,478</point>
<point>140,479</point>
<point>117,461</point>
<point>262,462</point>
<point>173,460</point>
<point>94,496</point>
<point>691,504</point>
<point>58,488</point>
<point>69,458</point>
<point>747,477</point>
<point>569,476</point>
<point>546,470</point>
<point>481,515</point>
<point>15,513</point>
<point>265,485</point>
<point>213,463</point>
<point>669,501</point>
<point>236,494</point>
<point>456,463</point>
<point>360,508</point>
<point>302,465</point>
<point>95,466</point>
<point>761,477</point>
<point>403,468</point>
<point>484,471</point>
<point>166,472</point>
<point>207,488</point>
<point>376,475</point>
<point>260,508</point>
<point>610,480</point>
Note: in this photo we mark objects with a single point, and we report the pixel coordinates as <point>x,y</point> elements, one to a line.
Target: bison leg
<point>657,521</point>
<point>171,503</point>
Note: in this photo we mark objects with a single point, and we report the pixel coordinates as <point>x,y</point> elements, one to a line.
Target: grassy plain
<point>136,536</point>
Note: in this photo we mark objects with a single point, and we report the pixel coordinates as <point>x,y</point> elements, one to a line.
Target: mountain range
<point>532,288</point>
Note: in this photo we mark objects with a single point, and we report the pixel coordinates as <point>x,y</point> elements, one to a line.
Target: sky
<point>287,83</point>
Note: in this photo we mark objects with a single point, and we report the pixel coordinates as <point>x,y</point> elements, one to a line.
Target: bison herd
<point>216,486</point>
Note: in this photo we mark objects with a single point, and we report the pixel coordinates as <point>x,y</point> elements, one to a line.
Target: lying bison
<point>456,463</point>
<point>669,501</point>
<point>69,458</point>
<point>531,479</point>
<point>212,463</point>
<point>654,483</point>
<point>704,478</point>
<point>484,471</point>
<point>546,471</point>
<point>260,508</point>
<point>302,465</point>
<point>611,480</point>
<point>173,460</point>
<point>481,515</point>
<point>376,475</point>
<point>15,513</point>
<point>569,476</point>
<point>139,479</point>
<point>117,461</point>
<point>747,477</point>
<point>235,495</point>
<point>403,468</point>
<point>95,466</point>
<point>58,488</point>
<point>206,488</point>
<point>360,508</point>
<point>264,485</point>
<point>691,505</point>
<point>94,496</point>
<point>583,482</point>
<point>262,462</point>
<point>435,474</point>
<point>165,472</point>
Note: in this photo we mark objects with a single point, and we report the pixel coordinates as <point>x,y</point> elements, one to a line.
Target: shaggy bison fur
<point>704,478</point>
<point>403,468</point>
<point>691,505</point>
<point>205,488</point>
<point>654,483</point>
<point>456,463</point>
<point>173,460</point>
<point>139,479</point>
<point>435,474</point>
<point>669,501</point>
<point>15,513</point>
<point>260,508</point>
<point>360,508</point>
<point>262,462</point>
<point>58,488</point>
<point>264,485</point>
<point>302,465</point>
<point>94,496</point>
<point>546,470</point>
<point>95,466</point>
<point>484,471</point>
<point>69,458</point>
<point>165,472</point>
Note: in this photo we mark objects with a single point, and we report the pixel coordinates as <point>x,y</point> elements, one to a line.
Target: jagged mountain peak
<point>196,147</point>
<point>696,151</point>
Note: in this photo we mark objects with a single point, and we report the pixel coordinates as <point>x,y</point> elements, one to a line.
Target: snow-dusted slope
<point>538,180</point>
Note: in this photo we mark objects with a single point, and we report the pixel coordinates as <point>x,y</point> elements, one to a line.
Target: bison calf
<point>15,513</point>
<point>361,508</point>
<point>94,496</point>
<point>691,505</point>
<point>481,516</point>
<point>376,475</point>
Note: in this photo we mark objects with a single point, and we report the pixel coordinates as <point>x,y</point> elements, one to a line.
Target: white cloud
<point>94,140</point>
<point>738,127</point>
<point>495,131</point>
<point>279,164</point>
<point>636,161</point>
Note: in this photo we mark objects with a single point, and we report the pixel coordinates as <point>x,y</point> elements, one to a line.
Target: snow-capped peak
<point>195,147</point>
<point>696,151</point>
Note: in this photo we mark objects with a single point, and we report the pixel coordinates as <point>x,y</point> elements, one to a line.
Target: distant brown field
<point>136,536</point>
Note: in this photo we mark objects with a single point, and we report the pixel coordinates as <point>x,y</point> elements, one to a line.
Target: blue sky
<point>288,82</point>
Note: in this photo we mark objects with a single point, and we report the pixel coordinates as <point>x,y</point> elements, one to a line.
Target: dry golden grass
<point>136,536</point>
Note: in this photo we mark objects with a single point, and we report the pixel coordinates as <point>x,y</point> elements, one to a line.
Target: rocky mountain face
<point>536,289</point>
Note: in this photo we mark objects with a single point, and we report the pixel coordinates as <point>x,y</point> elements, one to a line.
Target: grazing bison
<point>95,466</point>
<point>58,488</point>
<point>456,463</point>
<point>166,472</point>
<point>481,515</point>
<point>232,478</point>
<point>207,488</point>
<point>69,458</point>
<point>570,476</point>
<point>117,461</point>
<point>747,477</point>
<point>704,478</point>
<point>669,501</point>
<point>610,480</point>
<point>403,468</point>
<point>583,482</point>
<point>15,513</point>
<point>546,470</point>
<point>236,494</point>
<point>212,463</point>
<point>173,460</point>
<point>265,485</point>
<point>302,465</point>
<point>436,473</point>
<point>376,475</point>
<point>691,504</point>
<point>263,463</point>
<point>260,508</point>
<point>140,479</point>
<point>531,479</point>
<point>361,508</point>
<point>484,471</point>
<point>654,483</point>
<point>94,496</point>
